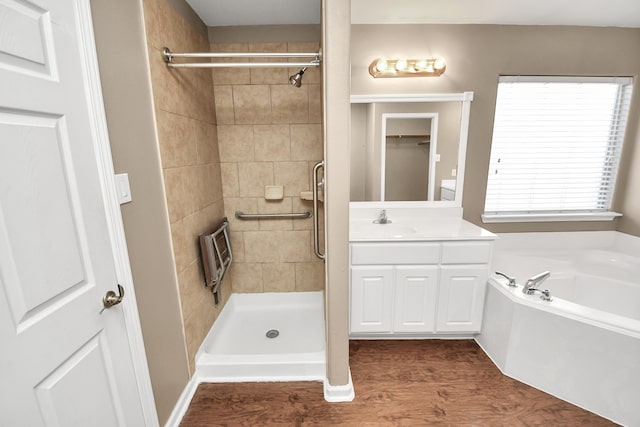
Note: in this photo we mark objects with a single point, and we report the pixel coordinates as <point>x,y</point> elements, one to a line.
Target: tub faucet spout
<point>531,285</point>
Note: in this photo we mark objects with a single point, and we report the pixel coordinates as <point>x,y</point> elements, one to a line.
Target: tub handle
<point>512,281</point>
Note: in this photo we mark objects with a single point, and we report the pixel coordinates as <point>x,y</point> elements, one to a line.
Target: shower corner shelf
<point>308,195</point>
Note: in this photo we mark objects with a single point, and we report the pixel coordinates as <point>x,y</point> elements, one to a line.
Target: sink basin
<point>384,230</point>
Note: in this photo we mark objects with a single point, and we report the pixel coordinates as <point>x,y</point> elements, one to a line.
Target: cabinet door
<point>415,298</point>
<point>461,298</point>
<point>371,298</point>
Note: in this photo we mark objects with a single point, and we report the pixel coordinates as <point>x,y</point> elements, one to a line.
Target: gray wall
<point>124,72</point>
<point>476,56</point>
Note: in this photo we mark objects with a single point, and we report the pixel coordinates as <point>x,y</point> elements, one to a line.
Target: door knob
<point>110,298</point>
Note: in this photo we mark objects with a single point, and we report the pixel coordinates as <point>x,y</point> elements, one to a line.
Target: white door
<point>416,297</point>
<point>461,299</point>
<point>371,298</point>
<point>63,362</point>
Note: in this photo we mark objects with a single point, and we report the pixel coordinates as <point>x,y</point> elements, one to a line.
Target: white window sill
<point>550,217</point>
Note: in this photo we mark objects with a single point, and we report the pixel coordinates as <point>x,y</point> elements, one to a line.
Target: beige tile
<point>246,277</point>
<point>294,246</point>
<point>224,292</point>
<point>180,245</point>
<point>152,22</point>
<point>294,176</point>
<point>253,177</point>
<point>309,276</point>
<point>213,186</point>
<point>252,104</point>
<point>177,138</point>
<point>228,76</point>
<point>268,75</point>
<point>198,185</point>
<point>290,104</point>
<point>166,84</point>
<point>171,28</point>
<point>191,285</point>
<point>197,309</point>
<point>206,136</point>
<point>315,103</point>
<point>194,178</point>
<point>235,143</point>
<point>230,183</point>
<point>306,142</point>
<point>300,205</point>
<point>279,277</point>
<point>237,246</point>
<point>213,214</point>
<point>272,142</point>
<point>261,246</point>
<point>224,104</point>
<point>176,192</point>
<point>193,229</point>
<point>246,205</point>
<point>214,146</point>
<point>202,104</point>
<point>275,206</point>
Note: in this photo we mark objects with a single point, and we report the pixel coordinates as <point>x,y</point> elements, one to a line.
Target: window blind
<point>556,144</point>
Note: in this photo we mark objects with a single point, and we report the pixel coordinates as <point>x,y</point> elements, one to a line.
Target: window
<point>556,148</point>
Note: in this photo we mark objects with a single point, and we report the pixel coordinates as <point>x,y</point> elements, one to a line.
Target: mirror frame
<point>465,98</point>
<point>433,142</point>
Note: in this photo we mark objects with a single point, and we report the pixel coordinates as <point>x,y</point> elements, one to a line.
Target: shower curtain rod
<point>168,58</point>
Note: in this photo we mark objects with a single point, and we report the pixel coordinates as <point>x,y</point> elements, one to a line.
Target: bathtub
<point>275,336</point>
<point>584,345</point>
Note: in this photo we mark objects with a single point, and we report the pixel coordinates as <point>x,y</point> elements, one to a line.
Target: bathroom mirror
<point>409,148</point>
<point>408,160</point>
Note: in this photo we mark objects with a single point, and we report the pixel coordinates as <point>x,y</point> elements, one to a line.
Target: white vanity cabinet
<point>371,292</point>
<point>417,288</point>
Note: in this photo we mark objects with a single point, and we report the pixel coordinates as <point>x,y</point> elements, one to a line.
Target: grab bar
<point>242,215</point>
<point>316,235</point>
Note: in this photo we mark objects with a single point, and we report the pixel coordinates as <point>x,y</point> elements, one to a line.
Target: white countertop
<point>435,229</point>
<point>411,228</point>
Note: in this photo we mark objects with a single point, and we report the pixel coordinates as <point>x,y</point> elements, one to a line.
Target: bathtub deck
<point>417,383</point>
<point>237,347</point>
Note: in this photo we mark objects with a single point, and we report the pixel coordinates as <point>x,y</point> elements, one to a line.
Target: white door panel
<point>461,299</point>
<point>416,290</point>
<point>371,298</point>
<point>64,362</point>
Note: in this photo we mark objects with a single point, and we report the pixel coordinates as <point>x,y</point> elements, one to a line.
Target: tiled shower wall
<point>269,133</point>
<point>186,126</point>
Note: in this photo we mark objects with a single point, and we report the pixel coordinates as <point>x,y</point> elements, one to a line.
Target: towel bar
<point>242,215</point>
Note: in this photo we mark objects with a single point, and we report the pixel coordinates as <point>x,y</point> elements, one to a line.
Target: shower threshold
<point>275,336</point>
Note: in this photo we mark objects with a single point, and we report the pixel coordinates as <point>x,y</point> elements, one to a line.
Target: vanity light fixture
<point>429,67</point>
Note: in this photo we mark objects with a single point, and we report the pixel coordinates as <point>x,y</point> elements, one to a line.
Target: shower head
<point>296,79</point>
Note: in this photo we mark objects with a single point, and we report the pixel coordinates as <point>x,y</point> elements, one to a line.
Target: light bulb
<point>381,65</point>
<point>401,64</point>
<point>439,64</point>
<point>421,65</point>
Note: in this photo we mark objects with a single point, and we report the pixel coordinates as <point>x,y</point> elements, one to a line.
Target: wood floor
<point>397,383</point>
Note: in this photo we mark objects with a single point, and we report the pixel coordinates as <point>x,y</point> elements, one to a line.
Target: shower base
<point>266,337</point>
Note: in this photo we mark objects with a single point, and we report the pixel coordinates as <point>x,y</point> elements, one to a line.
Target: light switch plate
<point>122,186</point>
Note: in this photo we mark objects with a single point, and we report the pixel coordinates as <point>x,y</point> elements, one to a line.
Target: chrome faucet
<point>512,280</point>
<point>545,294</point>
<point>531,285</point>
<point>382,219</point>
